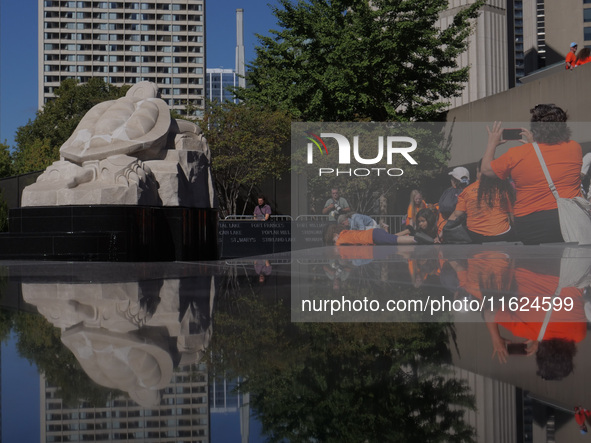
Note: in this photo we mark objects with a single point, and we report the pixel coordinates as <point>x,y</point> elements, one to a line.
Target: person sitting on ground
<point>357,222</point>
<point>263,210</point>
<point>426,223</point>
<point>460,178</point>
<point>488,206</point>
<point>583,56</point>
<point>416,204</point>
<point>338,236</point>
<point>536,210</point>
<point>586,176</point>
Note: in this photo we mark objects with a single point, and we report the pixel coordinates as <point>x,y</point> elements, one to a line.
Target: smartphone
<point>516,348</point>
<point>512,134</point>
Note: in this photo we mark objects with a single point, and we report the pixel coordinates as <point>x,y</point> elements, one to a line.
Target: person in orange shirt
<point>488,205</point>
<point>567,326</point>
<point>339,237</point>
<point>416,204</point>
<point>571,57</point>
<point>583,56</point>
<point>536,211</point>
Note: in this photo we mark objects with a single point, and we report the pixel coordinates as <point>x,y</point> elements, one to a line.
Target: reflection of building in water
<point>181,416</point>
<point>495,416</point>
<point>226,398</point>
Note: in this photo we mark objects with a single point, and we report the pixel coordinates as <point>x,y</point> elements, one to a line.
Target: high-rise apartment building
<point>182,414</point>
<point>125,42</point>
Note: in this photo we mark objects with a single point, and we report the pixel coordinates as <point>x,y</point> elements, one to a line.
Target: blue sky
<point>18,50</point>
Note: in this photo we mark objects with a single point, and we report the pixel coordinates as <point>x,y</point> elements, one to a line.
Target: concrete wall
<point>564,24</point>
<point>567,89</point>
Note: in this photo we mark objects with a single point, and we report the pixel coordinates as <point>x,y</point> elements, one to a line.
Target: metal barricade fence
<point>312,217</point>
<point>251,218</point>
<point>394,222</point>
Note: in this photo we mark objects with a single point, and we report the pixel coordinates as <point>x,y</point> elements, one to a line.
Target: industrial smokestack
<point>240,67</point>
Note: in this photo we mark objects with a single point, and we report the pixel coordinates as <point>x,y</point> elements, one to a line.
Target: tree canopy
<point>5,161</point>
<point>38,141</point>
<point>338,382</point>
<point>246,145</point>
<point>354,60</point>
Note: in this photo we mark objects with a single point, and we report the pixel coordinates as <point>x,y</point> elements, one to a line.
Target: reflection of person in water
<point>581,415</point>
<point>338,271</point>
<point>552,341</point>
<point>263,268</point>
<point>421,270</point>
<point>489,275</point>
<point>485,271</point>
<point>338,236</point>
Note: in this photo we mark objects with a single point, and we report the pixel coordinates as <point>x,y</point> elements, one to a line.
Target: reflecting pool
<point>349,344</point>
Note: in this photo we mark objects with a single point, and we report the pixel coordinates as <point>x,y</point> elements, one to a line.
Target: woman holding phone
<point>536,211</point>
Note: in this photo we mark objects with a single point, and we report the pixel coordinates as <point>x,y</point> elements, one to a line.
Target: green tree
<point>5,161</point>
<point>338,382</point>
<point>355,60</point>
<point>38,141</point>
<point>40,343</point>
<point>246,145</point>
<point>35,156</point>
<point>5,171</point>
<point>3,213</point>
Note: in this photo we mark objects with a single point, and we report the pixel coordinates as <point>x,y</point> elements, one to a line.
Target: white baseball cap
<point>462,174</point>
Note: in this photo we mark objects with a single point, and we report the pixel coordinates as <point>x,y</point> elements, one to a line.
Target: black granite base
<point>110,233</point>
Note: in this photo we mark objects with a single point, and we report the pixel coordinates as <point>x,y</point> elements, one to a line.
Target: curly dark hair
<point>548,124</point>
<point>491,188</point>
<point>583,54</point>
<point>554,358</point>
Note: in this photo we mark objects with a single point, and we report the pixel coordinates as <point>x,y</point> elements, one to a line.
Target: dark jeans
<point>381,237</point>
<point>479,238</point>
<point>539,227</point>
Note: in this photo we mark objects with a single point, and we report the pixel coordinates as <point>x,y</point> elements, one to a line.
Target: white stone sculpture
<point>129,152</point>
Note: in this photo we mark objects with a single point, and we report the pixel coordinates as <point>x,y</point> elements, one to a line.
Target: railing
<point>395,222</point>
<point>312,217</point>
<point>251,218</point>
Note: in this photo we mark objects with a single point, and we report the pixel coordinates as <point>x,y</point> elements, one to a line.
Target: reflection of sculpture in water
<point>130,336</point>
<point>129,151</point>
